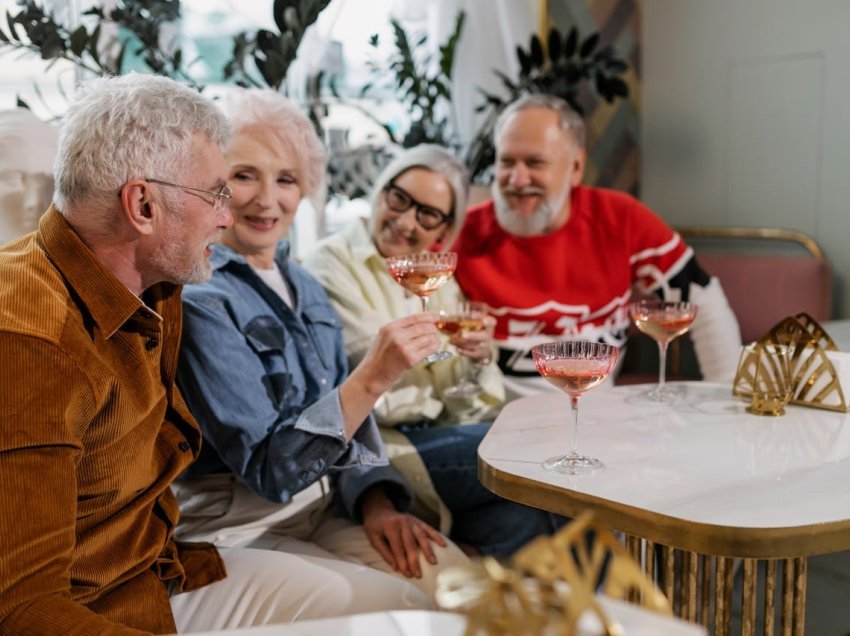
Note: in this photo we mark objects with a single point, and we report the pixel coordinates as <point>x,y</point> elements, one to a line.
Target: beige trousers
<point>288,562</point>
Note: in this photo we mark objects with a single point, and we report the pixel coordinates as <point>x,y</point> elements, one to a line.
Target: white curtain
<point>491,33</point>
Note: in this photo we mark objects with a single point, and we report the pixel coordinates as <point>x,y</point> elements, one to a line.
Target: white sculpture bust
<point>27,151</point>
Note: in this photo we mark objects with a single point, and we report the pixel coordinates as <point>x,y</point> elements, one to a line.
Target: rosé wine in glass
<point>663,322</point>
<point>465,317</point>
<point>575,367</point>
<point>422,282</point>
<point>423,273</point>
<point>451,325</point>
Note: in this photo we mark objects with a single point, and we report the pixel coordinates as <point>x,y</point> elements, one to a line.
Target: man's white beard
<point>534,224</point>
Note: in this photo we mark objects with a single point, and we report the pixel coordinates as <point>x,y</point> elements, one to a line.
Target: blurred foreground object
<point>550,585</point>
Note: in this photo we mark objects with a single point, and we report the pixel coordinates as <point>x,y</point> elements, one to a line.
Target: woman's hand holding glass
<point>423,273</point>
<point>470,329</point>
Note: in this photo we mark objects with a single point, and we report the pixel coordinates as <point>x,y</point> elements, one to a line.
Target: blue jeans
<point>493,525</point>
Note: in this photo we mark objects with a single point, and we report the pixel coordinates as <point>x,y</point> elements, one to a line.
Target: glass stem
<point>574,407</point>
<point>662,363</point>
<point>424,300</point>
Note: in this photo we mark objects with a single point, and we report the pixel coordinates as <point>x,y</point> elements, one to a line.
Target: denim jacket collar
<point>222,255</point>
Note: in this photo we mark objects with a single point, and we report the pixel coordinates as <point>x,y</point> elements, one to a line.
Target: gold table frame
<point>694,563</point>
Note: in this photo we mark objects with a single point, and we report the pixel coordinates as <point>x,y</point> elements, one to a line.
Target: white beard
<point>534,224</point>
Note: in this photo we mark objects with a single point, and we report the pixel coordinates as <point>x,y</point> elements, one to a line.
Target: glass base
<point>661,394</point>
<point>573,465</point>
<point>666,395</point>
<point>437,356</point>
<point>463,390</point>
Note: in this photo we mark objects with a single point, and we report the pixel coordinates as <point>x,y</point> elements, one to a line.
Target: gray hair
<point>568,118</point>
<point>132,126</point>
<point>288,126</point>
<point>435,159</point>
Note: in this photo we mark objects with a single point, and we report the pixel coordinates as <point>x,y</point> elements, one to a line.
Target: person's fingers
<point>434,535</point>
<point>381,547</point>
<point>393,535</point>
<point>424,542</point>
<point>411,548</point>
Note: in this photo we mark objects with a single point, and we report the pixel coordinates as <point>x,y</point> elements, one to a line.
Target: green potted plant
<point>422,90</point>
<point>35,29</point>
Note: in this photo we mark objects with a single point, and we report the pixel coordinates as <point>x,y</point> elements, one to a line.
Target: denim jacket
<point>261,379</point>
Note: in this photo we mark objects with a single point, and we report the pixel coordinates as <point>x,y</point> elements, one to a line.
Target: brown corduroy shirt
<point>92,432</point>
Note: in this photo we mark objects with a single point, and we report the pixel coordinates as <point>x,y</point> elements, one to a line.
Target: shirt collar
<point>108,300</point>
<point>222,255</point>
<point>362,246</point>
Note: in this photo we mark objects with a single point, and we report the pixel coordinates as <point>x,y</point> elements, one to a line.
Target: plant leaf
<point>616,67</point>
<point>79,38</point>
<point>618,87</point>
<point>524,61</point>
<point>536,51</point>
<point>556,44</point>
<point>278,7</point>
<point>290,17</point>
<point>572,43</point>
<point>589,45</point>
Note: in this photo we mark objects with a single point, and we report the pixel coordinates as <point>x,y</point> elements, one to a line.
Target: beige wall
<point>746,117</point>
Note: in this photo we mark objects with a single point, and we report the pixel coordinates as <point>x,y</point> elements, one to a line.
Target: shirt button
<point>152,343</point>
<point>323,381</point>
<point>184,446</point>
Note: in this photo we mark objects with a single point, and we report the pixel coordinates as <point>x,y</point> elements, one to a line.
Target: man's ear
<point>138,206</point>
<point>579,162</point>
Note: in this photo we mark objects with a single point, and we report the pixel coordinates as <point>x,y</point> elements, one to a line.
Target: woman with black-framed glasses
<point>418,204</point>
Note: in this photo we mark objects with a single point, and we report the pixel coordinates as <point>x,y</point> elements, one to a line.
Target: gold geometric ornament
<point>811,376</point>
<point>550,584</point>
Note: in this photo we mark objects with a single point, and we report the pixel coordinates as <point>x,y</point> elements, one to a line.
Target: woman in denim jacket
<point>263,369</point>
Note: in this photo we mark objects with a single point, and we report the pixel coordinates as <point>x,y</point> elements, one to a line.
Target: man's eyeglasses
<point>398,200</point>
<point>221,198</point>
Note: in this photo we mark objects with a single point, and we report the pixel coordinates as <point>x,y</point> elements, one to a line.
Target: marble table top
<point>701,474</point>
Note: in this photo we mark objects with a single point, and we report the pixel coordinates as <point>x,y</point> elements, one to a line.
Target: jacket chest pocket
<point>268,340</point>
<point>324,332</point>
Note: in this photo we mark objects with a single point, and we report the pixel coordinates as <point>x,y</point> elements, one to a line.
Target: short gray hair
<point>289,126</point>
<point>132,126</point>
<point>435,159</point>
<point>568,118</point>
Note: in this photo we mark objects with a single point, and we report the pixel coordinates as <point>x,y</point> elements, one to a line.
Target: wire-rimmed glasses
<point>221,197</point>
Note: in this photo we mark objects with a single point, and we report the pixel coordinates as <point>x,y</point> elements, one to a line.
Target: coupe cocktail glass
<point>465,317</point>
<point>664,322</point>
<point>575,367</point>
<point>423,274</point>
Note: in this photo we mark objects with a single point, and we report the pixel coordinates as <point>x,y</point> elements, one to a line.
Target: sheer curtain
<point>490,36</point>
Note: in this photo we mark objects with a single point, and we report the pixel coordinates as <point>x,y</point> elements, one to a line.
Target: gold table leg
<point>695,584</point>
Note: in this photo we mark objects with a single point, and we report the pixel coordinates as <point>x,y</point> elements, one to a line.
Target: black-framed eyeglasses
<point>221,197</point>
<point>399,200</point>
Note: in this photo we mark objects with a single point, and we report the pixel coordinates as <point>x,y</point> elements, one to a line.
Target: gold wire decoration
<point>550,584</point>
<point>813,379</point>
